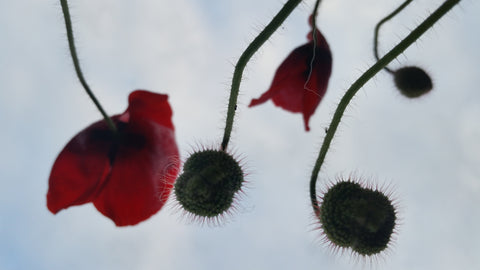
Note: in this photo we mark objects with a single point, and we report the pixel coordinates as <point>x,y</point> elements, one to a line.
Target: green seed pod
<point>412,81</point>
<point>208,184</point>
<point>356,217</point>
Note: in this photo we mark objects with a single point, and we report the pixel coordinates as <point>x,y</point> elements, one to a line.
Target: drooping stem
<point>381,63</point>
<point>314,18</point>
<point>243,60</point>
<point>315,9</point>
<point>380,23</point>
<point>76,63</point>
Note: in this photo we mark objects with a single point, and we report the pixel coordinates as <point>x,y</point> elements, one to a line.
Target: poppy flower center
<point>125,139</point>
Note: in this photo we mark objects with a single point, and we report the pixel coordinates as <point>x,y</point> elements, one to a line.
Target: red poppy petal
<point>141,178</point>
<point>291,78</point>
<point>80,169</point>
<point>263,98</point>
<point>310,99</point>
<point>294,65</point>
<point>310,102</point>
<point>129,177</point>
<point>284,87</point>
<point>146,163</point>
<point>301,80</point>
<point>150,106</point>
<point>317,84</point>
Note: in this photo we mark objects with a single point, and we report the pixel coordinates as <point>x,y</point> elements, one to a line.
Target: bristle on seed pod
<point>356,217</point>
<point>208,184</point>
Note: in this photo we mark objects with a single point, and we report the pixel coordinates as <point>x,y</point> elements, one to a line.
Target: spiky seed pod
<point>356,217</point>
<point>209,182</point>
<point>412,81</point>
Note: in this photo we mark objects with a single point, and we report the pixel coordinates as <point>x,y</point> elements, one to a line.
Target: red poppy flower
<point>300,82</point>
<point>128,177</point>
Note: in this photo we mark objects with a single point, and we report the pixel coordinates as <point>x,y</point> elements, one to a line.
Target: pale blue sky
<point>427,149</point>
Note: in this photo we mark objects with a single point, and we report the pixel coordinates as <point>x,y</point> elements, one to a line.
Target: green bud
<point>412,81</point>
<point>356,217</point>
<point>209,182</point>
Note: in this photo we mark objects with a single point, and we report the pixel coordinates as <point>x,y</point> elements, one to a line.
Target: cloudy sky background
<point>427,150</point>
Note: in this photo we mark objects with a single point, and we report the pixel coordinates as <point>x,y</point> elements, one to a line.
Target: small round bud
<point>209,181</point>
<point>356,217</point>
<point>412,81</point>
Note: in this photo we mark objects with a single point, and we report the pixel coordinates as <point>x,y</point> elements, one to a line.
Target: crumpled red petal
<point>299,84</point>
<point>80,169</point>
<point>146,164</point>
<point>128,178</point>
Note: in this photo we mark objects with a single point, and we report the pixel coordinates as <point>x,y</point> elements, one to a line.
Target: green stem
<point>243,60</point>
<point>314,17</point>
<point>76,63</point>
<point>392,54</point>
<point>380,23</point>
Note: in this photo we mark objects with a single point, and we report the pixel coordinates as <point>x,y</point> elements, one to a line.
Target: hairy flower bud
<point>412,81</point>
<point>356,217</point>
<point>209,182</point>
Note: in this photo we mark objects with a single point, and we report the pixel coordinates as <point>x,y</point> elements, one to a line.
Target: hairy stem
<point>76,63</point>
<point>380,23</point>
<point>381,63</point>
<point>243,60</point>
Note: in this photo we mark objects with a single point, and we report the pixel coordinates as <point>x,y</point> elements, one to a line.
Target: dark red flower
<point>300,82</point>
<point>127,177</point>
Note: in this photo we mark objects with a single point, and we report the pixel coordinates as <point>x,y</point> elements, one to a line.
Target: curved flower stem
<point>243,60</point>
<point>314,21</point>
<point>315,10</point>
<point>392,54</point>
<point>380,23</point>
<point>76,63</point>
